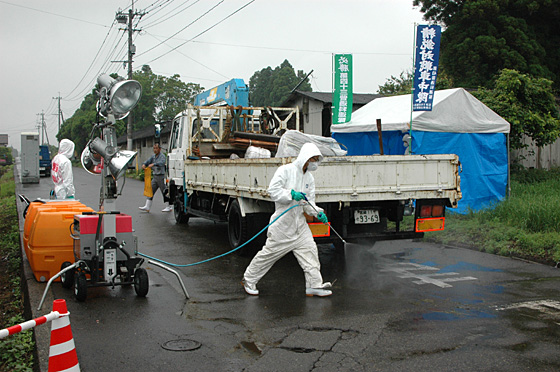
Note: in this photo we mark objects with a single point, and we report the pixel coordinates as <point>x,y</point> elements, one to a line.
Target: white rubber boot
<point>320,292</point>
<point>168,208</point>
<point>147,207</point>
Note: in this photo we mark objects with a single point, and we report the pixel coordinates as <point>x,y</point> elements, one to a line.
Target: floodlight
<point>92,162</point>
<point>98,152</point>
<point>118,97</point>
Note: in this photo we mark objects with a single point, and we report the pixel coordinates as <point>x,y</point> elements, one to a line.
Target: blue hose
<point>222,255</point>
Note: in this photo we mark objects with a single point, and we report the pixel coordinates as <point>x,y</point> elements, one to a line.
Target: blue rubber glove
<point>322,217</point>
<point>297,196</point>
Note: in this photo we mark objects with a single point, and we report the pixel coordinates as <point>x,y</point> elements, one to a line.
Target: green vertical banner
<point>342,93</point>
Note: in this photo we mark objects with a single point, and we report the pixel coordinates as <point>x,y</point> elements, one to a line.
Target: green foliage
<point>7,184</point>
<point>403,83</point>
<point>397,85</point>
<point>6,153</point>
<point>485,36</point>
<point>16,351</point>
<point>527,103</point>
<point>526,225</point>
<point>270,87</point>
<point>78,127</point>
<point>162,98</point>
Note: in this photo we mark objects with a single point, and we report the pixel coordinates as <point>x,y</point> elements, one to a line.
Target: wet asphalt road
<point>397,306</point>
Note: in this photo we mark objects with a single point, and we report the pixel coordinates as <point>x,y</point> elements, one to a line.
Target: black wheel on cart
<point>80,286</point>
<point>141,284</point>
<point>67,278</point>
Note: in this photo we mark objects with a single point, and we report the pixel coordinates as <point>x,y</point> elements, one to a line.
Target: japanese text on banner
<point>426,66</point>
<point>342,94</point>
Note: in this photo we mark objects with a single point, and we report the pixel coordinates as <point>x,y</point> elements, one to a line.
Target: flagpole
<point>412,89</point>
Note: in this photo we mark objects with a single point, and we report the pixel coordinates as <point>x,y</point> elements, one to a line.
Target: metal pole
<point>130,53</point>
<point>412,89</point>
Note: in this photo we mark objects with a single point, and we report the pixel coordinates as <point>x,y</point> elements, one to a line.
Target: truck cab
<point>45,161</point>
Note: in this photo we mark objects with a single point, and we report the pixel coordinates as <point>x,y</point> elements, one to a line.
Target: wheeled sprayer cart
<point>104,250</point>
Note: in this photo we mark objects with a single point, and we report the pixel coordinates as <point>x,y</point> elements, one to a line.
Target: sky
<point>58,48</point>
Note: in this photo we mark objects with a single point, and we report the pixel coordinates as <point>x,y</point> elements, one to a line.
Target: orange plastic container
<point>35,207</point>
<point>47,240</point>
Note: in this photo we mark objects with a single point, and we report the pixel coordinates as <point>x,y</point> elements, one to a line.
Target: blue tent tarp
<point>458,124</point>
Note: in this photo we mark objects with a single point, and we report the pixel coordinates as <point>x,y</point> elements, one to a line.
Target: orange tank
<point>46,237</point>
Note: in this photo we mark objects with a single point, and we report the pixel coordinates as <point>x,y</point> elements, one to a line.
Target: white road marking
<point>404,269</point>
<point>550,307</point>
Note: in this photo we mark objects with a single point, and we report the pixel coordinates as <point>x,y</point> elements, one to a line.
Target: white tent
<point>454,110</point>
<point>458,124</point>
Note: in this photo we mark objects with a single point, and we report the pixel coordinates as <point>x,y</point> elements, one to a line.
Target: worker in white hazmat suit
<point>61,173</point>
<point>290,233</point>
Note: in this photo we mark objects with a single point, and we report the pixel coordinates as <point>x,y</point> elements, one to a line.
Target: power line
<point>160,20</point>
<point>296,50</point>
<point>51,13</point>
<point>203,32</point>
<point>194,60</point>
<point>181,30</point>
<point>94,58</point>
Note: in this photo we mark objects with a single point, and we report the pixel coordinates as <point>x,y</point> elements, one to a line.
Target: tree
<point>486,36</point>
<point>162,98</point>
<point>397,85</point>
<point>270,87</point>
<point>78,127</point>
<point>403,84</point>
<point>527,104</point>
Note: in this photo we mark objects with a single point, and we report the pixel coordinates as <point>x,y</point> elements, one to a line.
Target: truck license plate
<point>362,216</point>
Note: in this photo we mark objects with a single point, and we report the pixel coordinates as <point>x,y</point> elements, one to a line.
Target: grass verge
<point>526,225</point>
<point>16,351</point>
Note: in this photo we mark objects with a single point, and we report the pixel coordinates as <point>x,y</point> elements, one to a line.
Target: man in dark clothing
<point>157,163</point>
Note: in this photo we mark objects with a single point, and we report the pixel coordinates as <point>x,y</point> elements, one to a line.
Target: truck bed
<point>338,179</point>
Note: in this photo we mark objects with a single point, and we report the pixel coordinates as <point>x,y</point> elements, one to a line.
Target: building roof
<point>146,132</point>
<point>326,97</point>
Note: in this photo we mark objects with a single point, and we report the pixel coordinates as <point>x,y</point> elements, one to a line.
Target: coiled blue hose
<point>223,254</point>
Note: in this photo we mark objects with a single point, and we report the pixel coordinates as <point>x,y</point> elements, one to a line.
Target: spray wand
<point>326,223</point>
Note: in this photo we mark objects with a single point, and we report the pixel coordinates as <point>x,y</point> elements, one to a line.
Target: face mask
<point>312,166</point>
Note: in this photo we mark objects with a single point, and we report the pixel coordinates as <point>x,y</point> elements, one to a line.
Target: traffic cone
<point>62,352</point>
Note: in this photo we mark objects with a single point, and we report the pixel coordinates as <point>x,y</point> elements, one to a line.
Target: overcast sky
<point>59,47</point>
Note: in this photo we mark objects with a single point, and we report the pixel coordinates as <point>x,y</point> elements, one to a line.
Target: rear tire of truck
<point>238,232</point>
<point>180,216</point>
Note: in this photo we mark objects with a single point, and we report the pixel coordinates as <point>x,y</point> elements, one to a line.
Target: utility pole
<point>127,19</point>
<point>59,112</point>
<point>43,128</point>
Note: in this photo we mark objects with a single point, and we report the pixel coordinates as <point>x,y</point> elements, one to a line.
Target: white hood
<point>308,150</point>
<point>66,148</point>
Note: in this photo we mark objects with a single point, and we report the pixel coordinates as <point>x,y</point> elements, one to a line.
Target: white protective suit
<point>290,233</point>
<point>62,170</point>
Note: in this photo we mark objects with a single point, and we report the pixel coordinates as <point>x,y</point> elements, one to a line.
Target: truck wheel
<point>141,283</point>
<point>80,287</point>
<point>180,216</point>
<point>67,278</point>
<point>237,226</point>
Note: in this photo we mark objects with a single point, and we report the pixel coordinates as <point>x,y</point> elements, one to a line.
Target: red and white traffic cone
<point>62,352</point>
